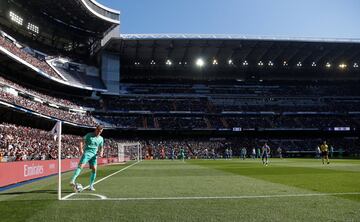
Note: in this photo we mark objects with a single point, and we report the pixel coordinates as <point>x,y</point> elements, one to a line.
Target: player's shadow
<point>35,191</point>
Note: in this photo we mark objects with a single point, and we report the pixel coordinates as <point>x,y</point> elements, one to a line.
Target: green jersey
<point>182,152</point>
<point>93,142</point>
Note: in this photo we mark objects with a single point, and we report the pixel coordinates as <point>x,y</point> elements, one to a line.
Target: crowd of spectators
<point>182,122</point>
<point>228,105</point>
<point>291,106</point>
<point>23,143</point>
<point>212,99</point>
<point>123,121</point>
<point>248,122</point>
<point>170,149</point>
<point>44,109</point>
<point>312,89</point>
<point>19,52</point>
<point>290,97</point>
<point>139,104</point>
<point>18,143</point>
<point>159,89</point>
<point>324,121</point>
<point>156,105</point>
<point>230,122</point>
<point>78,104</point>
<point>277,99</point>
<point>193,105</point>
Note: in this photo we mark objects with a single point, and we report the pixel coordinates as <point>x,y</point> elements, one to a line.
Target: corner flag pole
<point>138,151</point>
<point>57,129</point>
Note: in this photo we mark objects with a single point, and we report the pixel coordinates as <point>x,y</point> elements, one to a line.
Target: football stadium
<point>100,125</point>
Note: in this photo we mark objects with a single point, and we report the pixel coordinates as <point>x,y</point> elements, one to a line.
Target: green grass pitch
<point>197,190</point>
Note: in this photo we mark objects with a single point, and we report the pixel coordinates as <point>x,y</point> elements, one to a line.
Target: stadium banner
<point>16,172</point>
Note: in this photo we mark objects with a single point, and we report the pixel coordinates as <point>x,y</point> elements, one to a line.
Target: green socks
<point>92,178</point>
<point>76,174</point>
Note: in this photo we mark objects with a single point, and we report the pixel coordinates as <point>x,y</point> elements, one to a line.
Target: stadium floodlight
<point>342,66</point>
<point>299,64</point>
<point>200,62</point>
<point>328,65</point>
<point>270,63</point>
<point>215,62</point>
<point>168,62</point>
<point>33,28</point>
<point>260,63</point>
<point>15,18</point>
<point>230,62</point>
<point>313,64</point>
<point>356,65</point>
<point>245,63</point>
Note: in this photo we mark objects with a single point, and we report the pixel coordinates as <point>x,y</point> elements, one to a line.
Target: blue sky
<point>283,18</point>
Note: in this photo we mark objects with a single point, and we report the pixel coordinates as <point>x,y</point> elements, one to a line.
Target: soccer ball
<point>79,188</point>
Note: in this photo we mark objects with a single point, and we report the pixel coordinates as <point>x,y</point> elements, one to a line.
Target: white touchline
<point>223,197</point>
<point>72,194</point>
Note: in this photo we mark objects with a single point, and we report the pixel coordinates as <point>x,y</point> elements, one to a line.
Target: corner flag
<point>56,132</point>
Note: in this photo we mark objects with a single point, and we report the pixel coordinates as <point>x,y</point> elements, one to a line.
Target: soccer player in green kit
<point>88,148</point>
<point>182,154</point>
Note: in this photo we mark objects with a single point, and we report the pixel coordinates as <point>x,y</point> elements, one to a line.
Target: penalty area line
<point>102,179</point>
<point>219,197</point>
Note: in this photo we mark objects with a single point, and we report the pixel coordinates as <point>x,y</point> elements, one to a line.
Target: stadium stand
<point>270,106</point>
<point>46,109</point>
<point>148,84</point>
<point>18,143</point>
<point>197,148</point>
<point>78,103</point>
<point>77,73</point>
<point>17,50</point>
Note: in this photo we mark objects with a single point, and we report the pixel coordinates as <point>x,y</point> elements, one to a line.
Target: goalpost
<point>129,151</point>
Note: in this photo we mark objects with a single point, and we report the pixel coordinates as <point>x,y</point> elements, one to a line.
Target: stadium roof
<point>242,54</point>
<point>84,15</point>
<point>233,37</point>
<point>187,48</point>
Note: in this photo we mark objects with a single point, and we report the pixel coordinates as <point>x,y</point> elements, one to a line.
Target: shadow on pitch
<point>35,192</point>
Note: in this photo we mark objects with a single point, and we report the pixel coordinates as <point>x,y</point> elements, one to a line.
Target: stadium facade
<point>66,60</point>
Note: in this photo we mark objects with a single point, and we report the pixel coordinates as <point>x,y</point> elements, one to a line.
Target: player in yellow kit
<point>324,152</point>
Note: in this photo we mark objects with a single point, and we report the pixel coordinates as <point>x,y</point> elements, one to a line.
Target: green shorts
<point>90,158</point>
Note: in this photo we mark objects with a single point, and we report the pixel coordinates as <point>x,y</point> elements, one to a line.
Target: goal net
<point>128,152</point>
